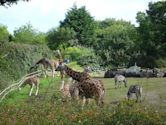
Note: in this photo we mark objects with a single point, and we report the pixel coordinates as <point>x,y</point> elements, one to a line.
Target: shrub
<point>19,58</point>
<point>126,113</point>
<point>84,56</point>
<point>161,62</point>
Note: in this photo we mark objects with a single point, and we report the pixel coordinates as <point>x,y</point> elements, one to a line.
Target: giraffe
<point>88,87</point>
<point>46,63</point>
<point>32,81</point>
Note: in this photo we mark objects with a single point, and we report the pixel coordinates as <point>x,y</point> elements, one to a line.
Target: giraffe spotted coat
<point>88,86</point>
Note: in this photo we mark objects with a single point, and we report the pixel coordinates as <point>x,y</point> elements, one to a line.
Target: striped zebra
<point>119,79</point>
<point>137,90</point>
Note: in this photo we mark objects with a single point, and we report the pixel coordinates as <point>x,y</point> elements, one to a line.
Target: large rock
<point>111,73</point>
<point>133,71</point>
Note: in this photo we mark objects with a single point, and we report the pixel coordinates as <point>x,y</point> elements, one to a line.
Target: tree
<point>9,2</point>
<point>152,27</point>
<point>80,20</point>
<point>116,40</point>
<point>61,37</point>
<point>27,34</point>
<point>4,34</point>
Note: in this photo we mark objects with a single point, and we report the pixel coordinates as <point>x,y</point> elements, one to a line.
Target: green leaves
<point>27,34</point>
<point>61,37</point>
<point>8,2</point>
<point>4,34</point>
<point>82,23</point>
<point>116,39</point>
<point>152,32</point>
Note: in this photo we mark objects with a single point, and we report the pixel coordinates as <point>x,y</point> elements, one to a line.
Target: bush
<point>161,62</point>
<point>84,56</point>
<point>44,113</point>
<point>19,57</point>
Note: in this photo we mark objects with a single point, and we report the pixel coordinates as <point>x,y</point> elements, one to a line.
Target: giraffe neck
<point>78,76</point>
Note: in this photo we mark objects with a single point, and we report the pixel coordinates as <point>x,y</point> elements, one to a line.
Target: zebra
<point>119,79</point>
<point>137,90</point>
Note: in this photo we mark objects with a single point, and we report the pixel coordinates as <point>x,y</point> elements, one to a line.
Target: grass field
<point>154,90</point>
<point>48,102</point>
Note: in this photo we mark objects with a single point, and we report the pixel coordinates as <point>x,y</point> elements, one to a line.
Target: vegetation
<point>84,56</point>
<point>18,108</point>
<point>85,41</point>
<point>27,34</point>
<point>9,2</point>
<point>18,58</point>
<point>116,43</point>
<point>152,34</point>
<point>80,20</point>
<point>61,38</point>
<point>100,44</point>
<point>4,37</point>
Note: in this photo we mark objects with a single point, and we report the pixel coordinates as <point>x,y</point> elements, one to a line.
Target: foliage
<point>152,32</point>
<point>84,56</point>
<point>80,20</point>
<point>161,62</point>
<point>67,114</point>
<point>5,80</point>
<point>61,37</point>
<point>47,108</point>
<point>27,34</point>
<point>9,2</point>
<point>116,40</point>
<point>4,34</point>
<point>19,58</point>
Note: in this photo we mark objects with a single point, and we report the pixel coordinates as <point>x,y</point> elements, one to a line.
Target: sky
<point>46,14</point>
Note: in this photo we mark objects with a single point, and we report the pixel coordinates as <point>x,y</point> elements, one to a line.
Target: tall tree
<point>60,37</point>
<point>116,39</point>
<point>152,27</point>
<point>80,20</point>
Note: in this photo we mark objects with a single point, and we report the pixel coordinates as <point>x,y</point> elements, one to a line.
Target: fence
<point>16,85</point>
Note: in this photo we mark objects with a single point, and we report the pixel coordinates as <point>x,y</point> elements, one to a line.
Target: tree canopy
<point>116,39</point>
<point>115,42</point>
<point>27,34</point>
<point>80,20</point>
<point>61,37</point>
<point>152,27</point>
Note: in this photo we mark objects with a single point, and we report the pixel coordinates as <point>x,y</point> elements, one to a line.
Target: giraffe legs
<point>37,89</point>
<point>62,85</point>
<point>31,90</point>
<point>30,93</point>
<point>53,70</point>
<point>53,73</point>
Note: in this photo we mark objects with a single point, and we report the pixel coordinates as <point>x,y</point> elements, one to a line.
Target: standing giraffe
<point>46,63</point>
<point>88,87</point>
<point>32,81</point>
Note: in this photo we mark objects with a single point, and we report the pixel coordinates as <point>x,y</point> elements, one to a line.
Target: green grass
<point>47,108</point>
<point>153,88</point>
